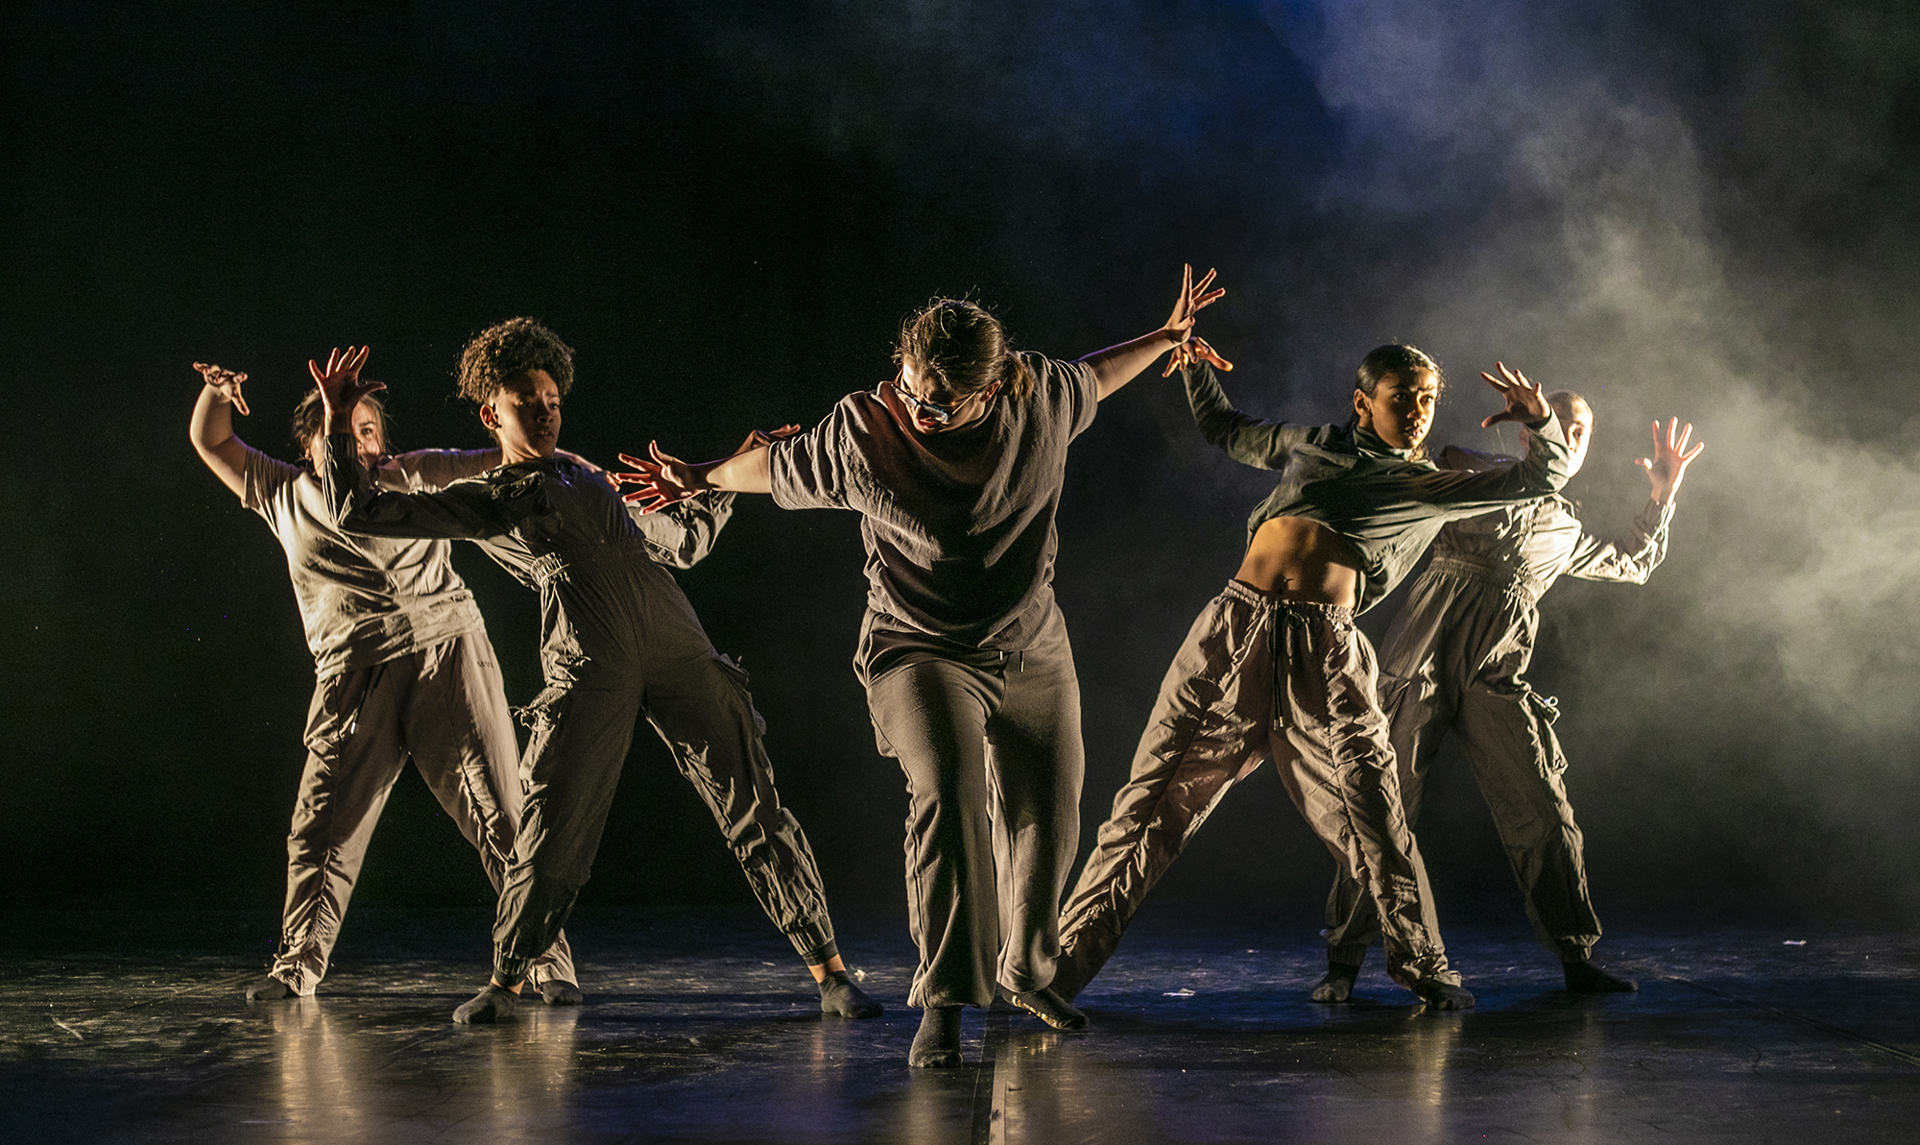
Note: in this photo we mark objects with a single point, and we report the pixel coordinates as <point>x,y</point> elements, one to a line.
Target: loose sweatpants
<point>444,708</point>
<point>1456,660</point>
<point>583,723</point>
<point>992,753</point>
<point>1260,677</point>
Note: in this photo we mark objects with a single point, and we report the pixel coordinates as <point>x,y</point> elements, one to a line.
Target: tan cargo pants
<point>445,709</point>
<point>1260,677</point>
<point>1456,658</point>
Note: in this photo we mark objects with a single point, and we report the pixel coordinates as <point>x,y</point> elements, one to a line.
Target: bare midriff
<point>1297,559</point>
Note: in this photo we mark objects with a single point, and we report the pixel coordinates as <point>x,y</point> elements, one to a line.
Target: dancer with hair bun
<point>1275,668</point>
<point>956,468</point>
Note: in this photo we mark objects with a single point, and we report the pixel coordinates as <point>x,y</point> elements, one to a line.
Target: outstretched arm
<point>1247,439</point>
<point>661,479</point>
<point>211,427</point>
<point>1115,366</point>
<point>1543,470</point>
<point>1634,558</point>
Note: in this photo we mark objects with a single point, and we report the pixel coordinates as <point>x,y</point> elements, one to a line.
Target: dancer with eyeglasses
<point>956,468</point>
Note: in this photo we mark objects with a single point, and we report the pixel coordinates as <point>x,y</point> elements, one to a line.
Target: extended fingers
<point>1207,353</point>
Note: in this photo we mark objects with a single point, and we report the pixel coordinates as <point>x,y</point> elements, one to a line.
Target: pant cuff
<point>509,969</point>
<point>1348,953</point>
<point>816,952</point>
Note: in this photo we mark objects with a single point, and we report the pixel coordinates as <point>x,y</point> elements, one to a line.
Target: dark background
<point>1705,209</point>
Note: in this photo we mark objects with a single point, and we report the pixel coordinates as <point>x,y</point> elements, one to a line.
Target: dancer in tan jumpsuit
<point>1456,657</point>
<point>404,671</point>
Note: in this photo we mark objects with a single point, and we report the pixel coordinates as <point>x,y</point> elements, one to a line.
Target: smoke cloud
<point>1679,213</point>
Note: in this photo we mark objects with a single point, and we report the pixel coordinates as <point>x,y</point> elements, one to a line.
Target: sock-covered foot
<point>560,992</point>
<point>489,1005</point>
<point>1337,986</point>
<point>1049,1007</point>
<point>1439,995</point>
<point>268,989</point>
<point>838,995</point>
<point>1584,977</point>
<point>937,1045</point>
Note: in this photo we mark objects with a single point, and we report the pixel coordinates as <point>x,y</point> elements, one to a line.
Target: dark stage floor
<point>699,1028</point>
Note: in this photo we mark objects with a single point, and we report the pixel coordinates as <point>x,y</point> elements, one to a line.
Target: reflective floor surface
<point>699,1027</point>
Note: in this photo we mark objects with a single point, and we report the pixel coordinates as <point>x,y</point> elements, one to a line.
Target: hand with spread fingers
<point>224,382</point>
<point>1670,459</point>
<point>1525,402</point>
<point>1194,297</point>
<point>662,479</point>
<point>1192,352</point>
<point>341,387</point>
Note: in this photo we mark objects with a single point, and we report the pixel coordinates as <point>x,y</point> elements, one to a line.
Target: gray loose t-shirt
<point>366,600</point>
<point>958,526</point>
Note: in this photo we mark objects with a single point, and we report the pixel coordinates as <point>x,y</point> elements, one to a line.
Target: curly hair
<point>310,415</point>
<point>963,347</point>
<point>508,348</point>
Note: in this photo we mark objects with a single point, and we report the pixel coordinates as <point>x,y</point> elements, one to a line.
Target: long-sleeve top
<point>364,600</point>
<point>1380,500</point>
<point>959,525</point>
<point>559,528</point>
<point>1524,548</point>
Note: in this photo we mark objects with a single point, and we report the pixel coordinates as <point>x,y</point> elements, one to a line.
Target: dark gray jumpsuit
<point>1260,677</point>
<point>1456,657</point>
<point>618,640</point>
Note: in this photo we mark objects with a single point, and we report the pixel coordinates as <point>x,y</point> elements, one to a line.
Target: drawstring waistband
<point>1279,611</point>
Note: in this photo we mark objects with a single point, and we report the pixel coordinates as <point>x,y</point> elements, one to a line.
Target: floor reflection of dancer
<point>1275,667</point>
<point>619,640</point>
<point>405,672</point>
<point>956,468</point>
<point>1456,656</point>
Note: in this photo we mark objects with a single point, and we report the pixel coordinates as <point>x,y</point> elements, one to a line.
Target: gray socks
<point>489,1005</point>
<point>937,1045</point>
<point>838,995</point>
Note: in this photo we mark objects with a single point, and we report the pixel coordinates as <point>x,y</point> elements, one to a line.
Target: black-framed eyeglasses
<point>939,413</point>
